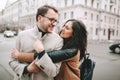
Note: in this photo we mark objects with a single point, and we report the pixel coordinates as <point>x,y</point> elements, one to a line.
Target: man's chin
<point>50,30</point>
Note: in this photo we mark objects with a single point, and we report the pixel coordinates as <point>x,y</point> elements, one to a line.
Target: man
<point>46,18</point>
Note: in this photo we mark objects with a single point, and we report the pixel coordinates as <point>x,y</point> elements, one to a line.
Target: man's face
<point>49,21</point>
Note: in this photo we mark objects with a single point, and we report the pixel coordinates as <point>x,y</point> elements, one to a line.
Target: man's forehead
<point>51,13</point>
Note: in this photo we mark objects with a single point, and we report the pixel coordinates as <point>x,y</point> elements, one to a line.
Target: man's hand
<point>33,68</point>
<point>15,53</point>
<point>38,46</point>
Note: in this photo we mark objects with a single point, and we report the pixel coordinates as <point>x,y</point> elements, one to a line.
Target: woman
<point>74,35</point>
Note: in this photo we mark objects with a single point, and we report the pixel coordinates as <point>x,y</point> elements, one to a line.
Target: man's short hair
<point>43,10</point>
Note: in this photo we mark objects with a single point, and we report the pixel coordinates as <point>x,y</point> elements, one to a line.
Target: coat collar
<point>43,33</point>
<point>39,33</point>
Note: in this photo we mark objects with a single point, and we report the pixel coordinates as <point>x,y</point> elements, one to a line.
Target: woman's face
<point>67,30</point>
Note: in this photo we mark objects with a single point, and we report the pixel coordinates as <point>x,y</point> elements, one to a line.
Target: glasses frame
<point>52,20</point>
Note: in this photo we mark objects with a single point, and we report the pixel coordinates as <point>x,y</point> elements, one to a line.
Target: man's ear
<point>39,18</point>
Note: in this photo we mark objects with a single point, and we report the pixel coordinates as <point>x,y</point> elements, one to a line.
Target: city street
<point>107,63</point>
<point>6,44</point>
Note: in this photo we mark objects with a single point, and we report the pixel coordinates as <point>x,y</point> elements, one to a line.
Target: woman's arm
<point>61,55</point>
<point>56,56</point>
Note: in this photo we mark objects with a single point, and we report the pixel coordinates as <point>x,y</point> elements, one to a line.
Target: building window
<point>72,2</point>
<point>113,31</point>
<point>111,7</point>
<point>91,16</point>
<point>117,33</point>
<point>92,3</point>
<point>85,13</point>
<point>85,2</point>
<point>105,7</point>
<point>97,18</point>
<point>91,30</point>
<point>114,10</point>
<point>66,2</point>
<point>59,16</point>
<point>96,32</point>
<point>109,19</point>
<point>113,1</point>
<point>105,19</point>
<point>113,20</point>
<point>104,32</point>
<point>65,15</point>
<point>118,22</point>
<point>72,14</point>
<point>97,5</point>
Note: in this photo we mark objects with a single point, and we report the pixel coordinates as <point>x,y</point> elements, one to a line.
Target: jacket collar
<point>39,33</point>
<point>43,33</point>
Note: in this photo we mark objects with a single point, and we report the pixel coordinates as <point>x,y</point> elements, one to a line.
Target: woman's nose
<point>63,28</point>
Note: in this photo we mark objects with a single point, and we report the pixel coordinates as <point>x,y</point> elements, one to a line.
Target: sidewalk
<point>103,41</point>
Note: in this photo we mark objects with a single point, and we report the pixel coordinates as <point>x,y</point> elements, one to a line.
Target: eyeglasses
<point>52,20</point>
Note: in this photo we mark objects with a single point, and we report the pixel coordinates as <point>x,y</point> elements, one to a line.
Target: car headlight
<point>119,45</point>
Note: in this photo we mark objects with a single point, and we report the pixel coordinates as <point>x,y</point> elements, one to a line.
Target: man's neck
<point>43,33</point>
<point>39,29</point>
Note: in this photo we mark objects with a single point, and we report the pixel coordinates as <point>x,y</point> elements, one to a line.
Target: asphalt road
<point>107,63</point>
<point>4,74</point>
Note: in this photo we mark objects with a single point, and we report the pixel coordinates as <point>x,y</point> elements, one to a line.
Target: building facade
<point>101,17</point>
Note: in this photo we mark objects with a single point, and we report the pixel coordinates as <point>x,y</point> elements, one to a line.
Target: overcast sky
<point>3,3</point>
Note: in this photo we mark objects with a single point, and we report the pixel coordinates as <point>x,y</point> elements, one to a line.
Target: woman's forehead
<point>69,23</point>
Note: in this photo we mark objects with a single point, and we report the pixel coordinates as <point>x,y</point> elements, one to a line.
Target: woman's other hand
<point>38,46</point>
<point>33,68</point>
<point>15,53</point>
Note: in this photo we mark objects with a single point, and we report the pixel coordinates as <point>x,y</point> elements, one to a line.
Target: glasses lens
<point>51,19</point>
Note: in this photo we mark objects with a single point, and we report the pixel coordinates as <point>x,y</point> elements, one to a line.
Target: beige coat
<point>69,69</point>
<point>24,43</point>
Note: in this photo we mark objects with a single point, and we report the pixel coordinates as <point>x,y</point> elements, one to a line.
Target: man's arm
<point>16,66</point>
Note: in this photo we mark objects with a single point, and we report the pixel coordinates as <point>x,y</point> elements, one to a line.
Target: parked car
<point>8,33</point>
<point>115,47</point>
<point>15,33</point>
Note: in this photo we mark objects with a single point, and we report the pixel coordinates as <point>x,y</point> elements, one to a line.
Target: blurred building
<point>101,17</point>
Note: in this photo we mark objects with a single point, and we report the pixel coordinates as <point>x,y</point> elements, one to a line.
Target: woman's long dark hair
<point>79,38</point>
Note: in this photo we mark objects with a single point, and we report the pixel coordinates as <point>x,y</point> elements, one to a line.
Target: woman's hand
<point>15,53</point>
<point>38,46</point>
<point>33,68</point>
